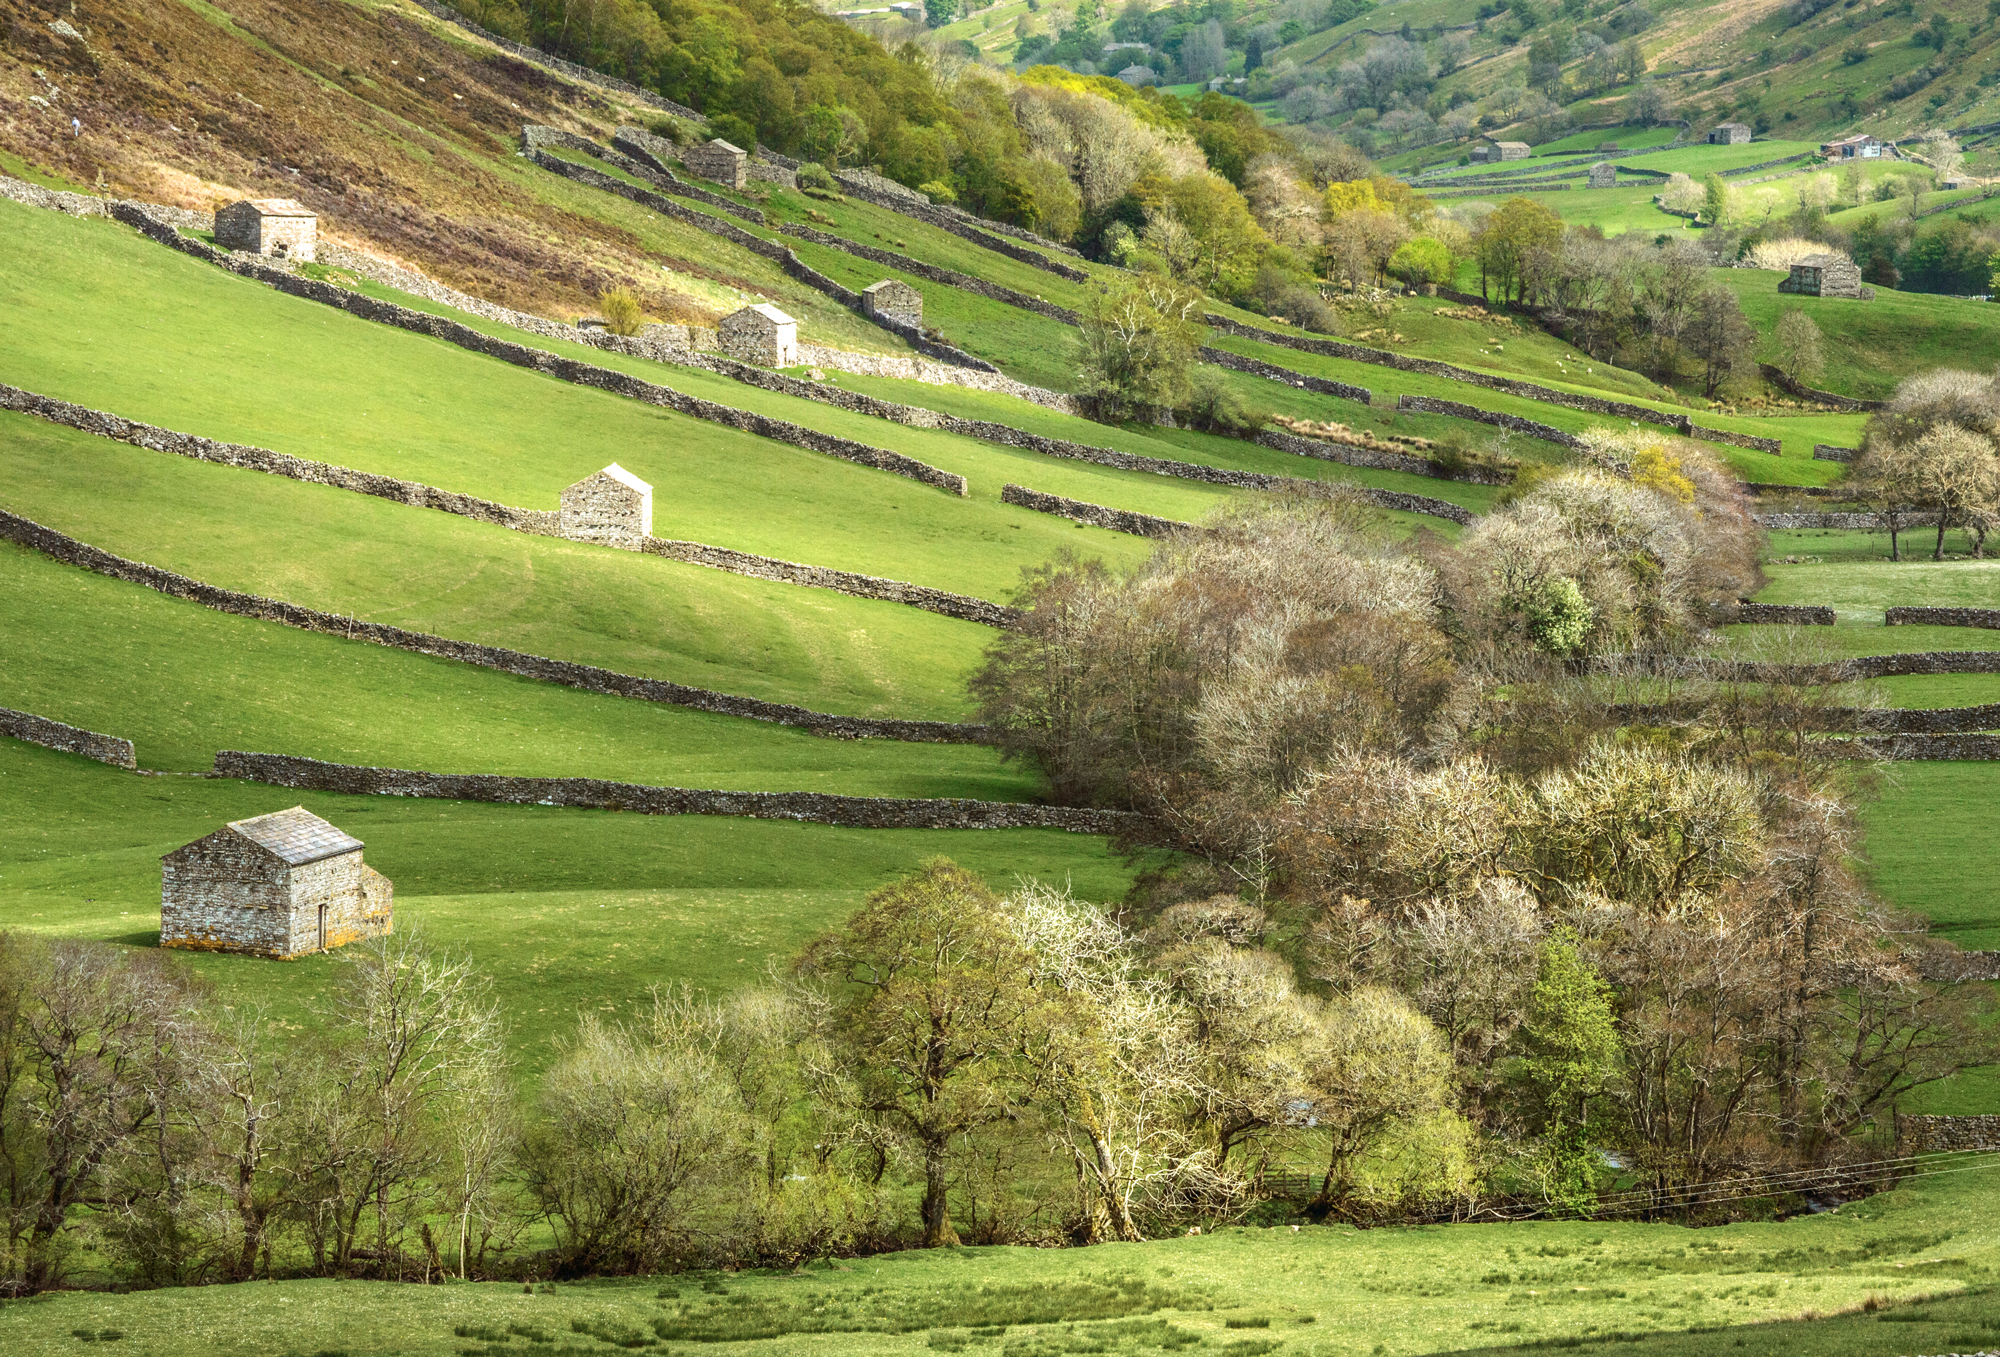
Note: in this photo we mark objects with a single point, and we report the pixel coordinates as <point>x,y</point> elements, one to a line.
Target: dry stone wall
<point>1783,614</point>
<point>540,360</point>
<point>585,677</point>
<point>1865,522</point>
<point>858,812</point>
<point>917,268</point>
<point>69,739</point>
<point>1862,720</point>
<point>870,188</point>
<point>1333,348</point>
<point>626,153</point>
<point>542,522</point>
<point>1236,362</point>
<point>785,258</point>
<point>1736,440</point>
<point>1431,405</point>
<point>1941,617</point>
<point>1095,515</point>
<point>1380,459</point>
<point>1936,1135</point>
<point>1829,452</point>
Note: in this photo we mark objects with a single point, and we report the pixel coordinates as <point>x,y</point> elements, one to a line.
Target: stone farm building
<point>894,299</point>
<point>1728,134</point>
<point>1604,175</point>
<point>276,227</point>
<point>1859,147</point>
<point>1139,76</point>
<point>1489,151</point>
<point>719,161</point>
<point>278,885</point>
<point>1826,275</point>
<point>611,506</point>
<point>760,334</point>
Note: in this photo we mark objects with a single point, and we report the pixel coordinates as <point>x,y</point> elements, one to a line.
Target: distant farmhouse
<point>719,161</point>
<point>1827,275</point>
<point>275,227</point>
<point>1859,147</point>
<point>1487,152</point>
<point>611,506</point>
<point>1139,76</point>
<point>1728,134</point>
<point>760,334</point>
<point>279,885</point>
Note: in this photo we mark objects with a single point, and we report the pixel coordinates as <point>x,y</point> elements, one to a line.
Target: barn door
<point>322,926</point>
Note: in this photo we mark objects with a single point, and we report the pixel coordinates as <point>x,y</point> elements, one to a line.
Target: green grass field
<point>1925,1252</point>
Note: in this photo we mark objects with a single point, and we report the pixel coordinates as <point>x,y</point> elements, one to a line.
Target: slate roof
<point>279,207</point>
<point>627,479</point>
<point>296,836</point>
<point>770,313</point>
<point>718,144</point>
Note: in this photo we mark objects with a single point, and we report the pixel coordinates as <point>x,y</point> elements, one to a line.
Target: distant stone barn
<point>760,334</point>
<point>276,227</point>
<point>280,885</point>
<point>895,300</point>
<point>611,506</point>
<point>1826,275</point>
<point>719,161</point>
<point>1728,134</point>
<point>1604,175</point>
<point>1490,151</point>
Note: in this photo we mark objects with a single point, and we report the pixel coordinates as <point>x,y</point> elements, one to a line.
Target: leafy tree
<point>938,13</point>
<point>1799,353</point>
<point>1137,344</point>
<point>1720,338</point>
<point>931,1011</point>
<point>1508,239</point>
<point>1423,260</point>
<point>1715,200</point>
<point>1570,1048</point>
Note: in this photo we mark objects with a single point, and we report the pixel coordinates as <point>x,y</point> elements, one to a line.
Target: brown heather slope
<point>398,130</point>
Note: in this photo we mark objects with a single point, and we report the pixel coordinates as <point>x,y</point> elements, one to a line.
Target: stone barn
<point>277,227</point>
<point>1604,175</point>
<point>278,885</point>
<point>1490,151</point>
<point>895,300</point>
<point>760,334</point>
<point>719,161</point>
<point>1728,134</point>
<point>611,506</point>
<point>1826,275</point>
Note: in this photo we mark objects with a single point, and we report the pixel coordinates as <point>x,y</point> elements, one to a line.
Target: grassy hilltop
<point>577,913</point>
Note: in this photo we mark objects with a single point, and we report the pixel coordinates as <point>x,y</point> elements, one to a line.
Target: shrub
<point>1786,251</point>
<point>814,177</point>
<point>938,192</point>
<point>1423,260</point>
<point>622,313</point>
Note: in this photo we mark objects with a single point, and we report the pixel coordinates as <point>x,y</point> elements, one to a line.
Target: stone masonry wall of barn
<point>602,509</point>
<point>334,882</point>
<point>225,894</point>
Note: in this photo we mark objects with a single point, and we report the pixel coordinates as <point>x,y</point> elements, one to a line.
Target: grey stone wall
<point>859,812</point>
<point>1861,720</point>
<point>1347,454</point>
<point>223,894</point>
<point>1736,440</point>
<point>1934,1135</point>
<point>874,189</point>
<point>1956,967</point>
<point>1912,520</point>
<point>1838,671</point>
<point>1334,348</point>
<point>1931,748</point>
<point>554,365</point>
<point>542,522</point>
<point>49,734</point>
<point>786,259</point>
<point>1941,617</point>
<point>1431,405</point>
<point>634,157</point>
<point>1096,515</point>
<point>565,673</point>
<point>1828,452</point>
<point>917,268</point>
<point>1783,614</point>
<point>1236,362</point>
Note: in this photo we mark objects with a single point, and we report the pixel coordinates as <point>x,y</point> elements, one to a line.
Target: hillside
<point>259,517</point>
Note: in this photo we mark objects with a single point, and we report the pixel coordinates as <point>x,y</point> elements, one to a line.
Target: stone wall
<point>1096,515</point>
<point>858,812</point>
<point>872,188</point>
<point>1828,452</point>
<point>1836,671</point>
<point>1864,522</point>
<point>224,894</point>
<point>1783,614</point>
<point>1236,362</point>
<point>1931,748</point>
<point>1956,967</point>
<point>1333,348</point>
<point>564,673</point>
<point>542,522</point>
<point>786,259</point>
<point>1934,1135</point>
<point>917,268</point>
<point>1431,405</point>
<point>49,734</point>
<point>1864,720</point>
<point>1736,440</point>
<point>1380,458</point>
<point>540,360</point>
<point>1941,617</point>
